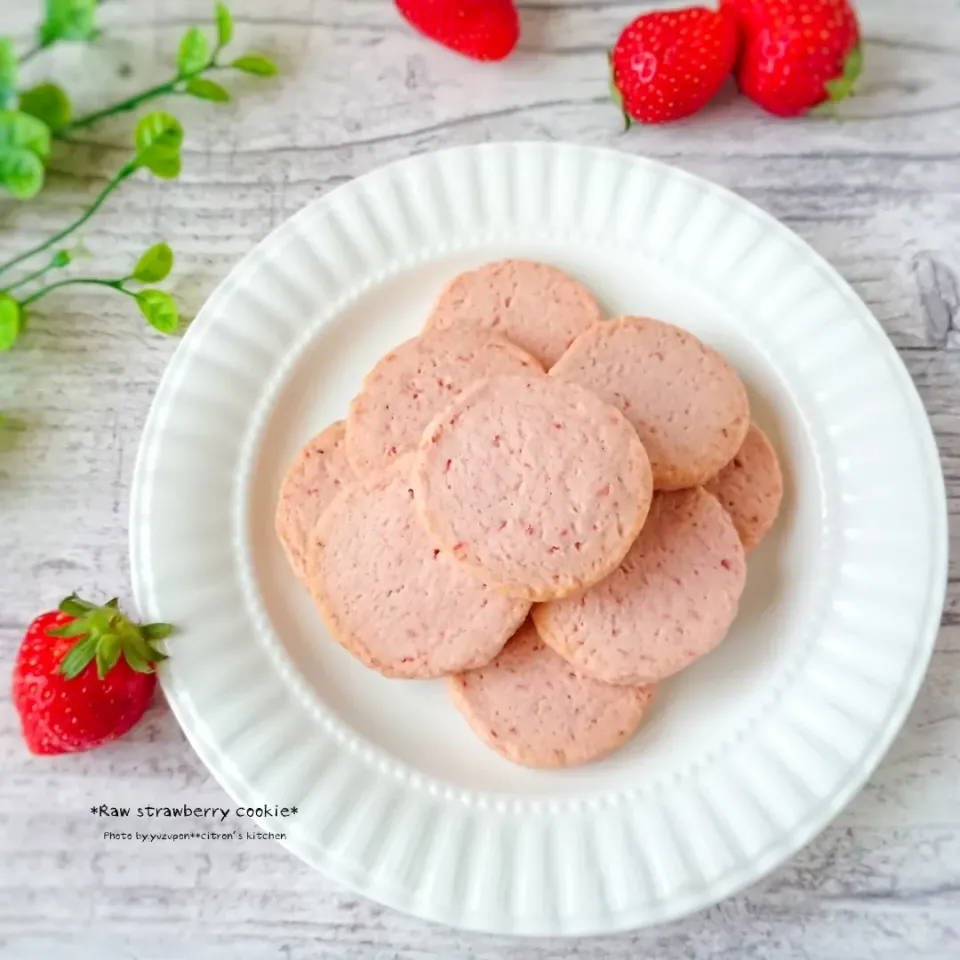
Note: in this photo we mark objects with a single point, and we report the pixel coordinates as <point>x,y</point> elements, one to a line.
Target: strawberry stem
<point>105,635</point>
<point>617,96</point>
<point>843,86</point>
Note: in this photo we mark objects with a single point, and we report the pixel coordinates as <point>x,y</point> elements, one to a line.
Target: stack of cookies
<point>549,508</point>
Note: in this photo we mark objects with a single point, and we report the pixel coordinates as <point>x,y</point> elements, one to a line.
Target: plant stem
<point>122,175</point>
<point>131,103</point>
<point>92,281</point>
<point>30,276</point>
<point>31,53</point>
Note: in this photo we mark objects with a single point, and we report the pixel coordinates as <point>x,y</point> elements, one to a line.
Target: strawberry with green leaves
<point>84,675</point>
<point>797,54</point>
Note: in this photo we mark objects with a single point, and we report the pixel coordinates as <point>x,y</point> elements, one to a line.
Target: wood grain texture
<point>878,195</point>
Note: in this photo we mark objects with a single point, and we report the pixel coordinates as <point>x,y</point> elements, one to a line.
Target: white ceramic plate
<point>747,755</point>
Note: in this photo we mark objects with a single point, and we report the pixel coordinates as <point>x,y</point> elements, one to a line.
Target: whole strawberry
<point>797,54</point>
<point>668,64</point>
<point>83,676</point>
<point>480,29</point>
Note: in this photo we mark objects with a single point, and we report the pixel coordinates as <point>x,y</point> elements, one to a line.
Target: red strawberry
<point>83,676</point>
<point>481,29</point>
<point>797,54</point>
<point>668,64</point>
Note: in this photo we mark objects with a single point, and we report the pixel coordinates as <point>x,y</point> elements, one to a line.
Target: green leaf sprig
<point>31,119</point>
<point>195,58</point>
<point>64,20</point>
<point>157,139</point>
<point>46,102</point>
<point>157,306</point>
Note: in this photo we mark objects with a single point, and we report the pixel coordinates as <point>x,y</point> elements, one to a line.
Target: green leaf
<point>194,52</point>
<point>21,130</point>
<point>158,129</point>
<point>68,20</point>
<point>163,162</point>
<point>254,63</point>
<point>75,607</point>
<point>843,86</point>
<point>224,25</point>
<point>75,628</point>
<point>24,145</point>
<point>158,138</point>
<point>8,72</point>
<point>159,309</point>
<point>136,659</point>
<point>108,653</point>
<point>11,321</point>
<point>21,173</point>
<point>79,655</point>
<point>156,631</point>
<point>154,265</point>
<point>61,259</point>
<point>207,90</point>
<point>48,103</point>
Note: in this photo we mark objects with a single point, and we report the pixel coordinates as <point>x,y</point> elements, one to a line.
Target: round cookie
<point>750,488</point>
<point>413,383</point>
<point>392,599</point>
<point>534,305</point>
<point>671,601</point>
<point>688,404</point>
<point>534,484</point>
<point>314,477</point>
<point>533,709</point>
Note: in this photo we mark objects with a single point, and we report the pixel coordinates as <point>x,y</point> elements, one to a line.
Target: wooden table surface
<point>878,194</point>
